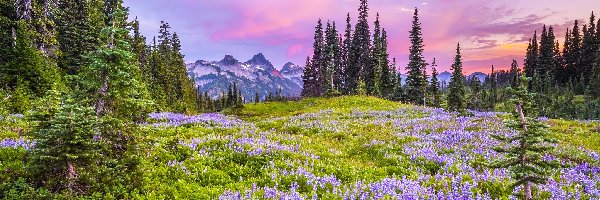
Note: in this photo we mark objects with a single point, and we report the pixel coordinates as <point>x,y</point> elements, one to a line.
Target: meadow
<point>350,147</point>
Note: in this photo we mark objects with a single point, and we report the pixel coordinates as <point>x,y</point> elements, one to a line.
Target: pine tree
<point>26,64</point>
<point>66,152</point>
<point>332,61</point>
<point>359,56</point>
<point>345,56</point>
<point>514,71</point>
<point>309,79</point>
<point>415,90</point>
<point>386,78</point>
<point>475,100</point>
<point>589,49</point>
<point>456,97</point>
<point>546,57</point>
<point>318,60</point>
<point>566,69</point>
<point>494,89</point>
<point>574,63</point>
<point>77,33</point>
<point>139,48</point>
<point>371,70</point>
<point>434,87</point>
<point>531,58</point>
<point>112,81</point>
<point>524,155</point>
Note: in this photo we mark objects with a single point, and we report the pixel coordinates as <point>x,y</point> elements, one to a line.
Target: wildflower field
<point>338,148</point>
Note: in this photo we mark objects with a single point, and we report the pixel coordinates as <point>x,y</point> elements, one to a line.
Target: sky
<point>489,32</point>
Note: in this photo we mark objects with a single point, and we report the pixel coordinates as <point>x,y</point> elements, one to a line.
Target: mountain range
<point>258,75</point>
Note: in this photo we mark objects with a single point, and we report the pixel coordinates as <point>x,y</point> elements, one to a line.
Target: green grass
<point>577,133</point>
<point>337,104</point>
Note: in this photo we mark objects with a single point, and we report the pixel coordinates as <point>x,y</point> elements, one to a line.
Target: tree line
<point>358,62</point>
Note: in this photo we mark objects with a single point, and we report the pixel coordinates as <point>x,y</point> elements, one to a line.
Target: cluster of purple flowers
<point>454,143</point>
<point>178,165</point>
<point>17,143</point>
<point>167,119</point>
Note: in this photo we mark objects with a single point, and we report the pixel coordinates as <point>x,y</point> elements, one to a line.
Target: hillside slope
<point>347,148</point>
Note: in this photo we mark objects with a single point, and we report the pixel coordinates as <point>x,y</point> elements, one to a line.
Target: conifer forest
<point>95,106</point>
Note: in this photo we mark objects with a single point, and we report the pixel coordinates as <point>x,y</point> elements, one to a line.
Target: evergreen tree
<point>494,89</point>
<point>386,78</point>
<point>359,56</point>
<point>531,58</point>
<point>112,81</point>
<point>546,55</point>
<point>66,152</point>
<point>309,79</point>
<point>371,70</point>
<point>434,87</point>
<point>318,60</point>
<point>524,155</point>
<point>77,33</point>
<point>332,60</point>
<point>415,89</point>
<point>456,97</point>
<point>574,63</point>
<point>566,70</point>
<point>139,48</point>
<point>475,100</point>
<point>345,56</point>
<point>589,50</point>
<point>25,64</point>
<point>514,71</point>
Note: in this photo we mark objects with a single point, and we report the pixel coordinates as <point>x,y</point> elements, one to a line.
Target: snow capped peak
<point>259,59</point>
<point>228,60</point>
<point>291,68</point>
<point>255,75</point>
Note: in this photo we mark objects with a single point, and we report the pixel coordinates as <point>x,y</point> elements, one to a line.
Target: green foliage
<point>416,82</point>
<point>456,97</point>
<point>524,159</point>
<point>66,152</point>
<point>112,82</point>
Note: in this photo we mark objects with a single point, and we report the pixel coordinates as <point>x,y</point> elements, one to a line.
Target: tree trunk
<point>526,186</point>
<point>100,104</point>
<point>71,176</point>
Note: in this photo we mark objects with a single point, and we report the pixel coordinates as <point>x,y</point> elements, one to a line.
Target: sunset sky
<point>490,32</point>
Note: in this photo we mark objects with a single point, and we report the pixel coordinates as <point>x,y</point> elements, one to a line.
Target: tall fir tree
<point>386,79</point>
<point>531,58</point>
<point>574,60</point>
<point>514,71</point>
<point>309,79</point>
<point>456,95</point>
<point>77,33</point>
<point>589,50</point>
<point>345,56</point>
<point>318,60</point>
<point>566,69</point>
<point>112,81</point>
<point>415,89</point>
<point>66,153</point>
<point>359,56</point>
<point>494,88</point>
<point>525,151</point>
<point>434,87</point>
<point>371,70</point>
<point>332,60</point>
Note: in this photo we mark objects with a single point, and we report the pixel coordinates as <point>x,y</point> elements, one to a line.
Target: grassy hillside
<point>338,148</point>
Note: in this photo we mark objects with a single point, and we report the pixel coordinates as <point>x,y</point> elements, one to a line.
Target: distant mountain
<point>255,75</point>
<point>446,76</point>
